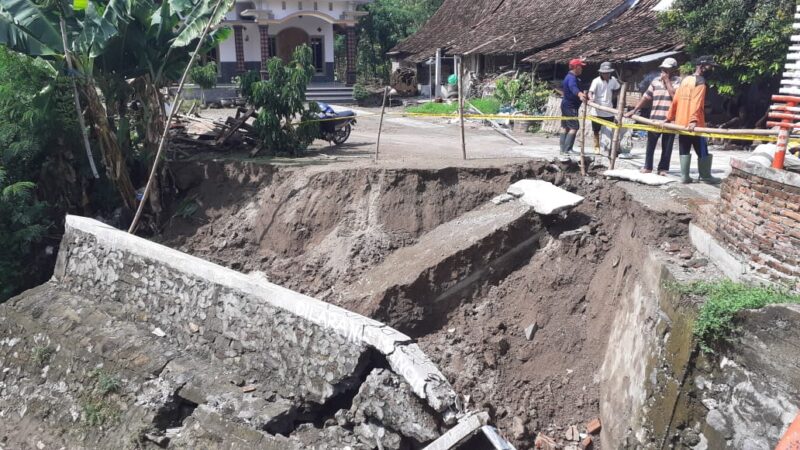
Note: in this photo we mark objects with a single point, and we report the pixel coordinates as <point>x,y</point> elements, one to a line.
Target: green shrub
<point>360,93</point>
<point>245,82</point>
<point>716,320</point>
<point>281,99</point>
<point>204,76</point>
<point>523,93</point>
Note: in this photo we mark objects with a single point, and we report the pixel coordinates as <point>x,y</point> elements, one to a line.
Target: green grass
<point>41,355</point>
<point>485,105</point>
<point>724,299</point>
<point>106,382</point>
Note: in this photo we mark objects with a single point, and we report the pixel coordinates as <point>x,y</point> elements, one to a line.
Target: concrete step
<point>330,94</point>
<point>416,287</point>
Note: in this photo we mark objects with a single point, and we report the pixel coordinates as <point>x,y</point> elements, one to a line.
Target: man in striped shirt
<point>660,94</point>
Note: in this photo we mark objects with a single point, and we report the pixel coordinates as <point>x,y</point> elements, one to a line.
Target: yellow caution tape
<point>595,119</point>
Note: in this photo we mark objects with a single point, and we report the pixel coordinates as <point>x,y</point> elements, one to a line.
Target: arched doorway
<point>288,40</point>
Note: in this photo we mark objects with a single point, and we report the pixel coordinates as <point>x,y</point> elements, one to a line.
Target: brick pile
<point>758,218</point>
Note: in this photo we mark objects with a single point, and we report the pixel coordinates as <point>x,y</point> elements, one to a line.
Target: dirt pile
<point>315,230</point>
<point>531,347</point>
<point>526,345</point>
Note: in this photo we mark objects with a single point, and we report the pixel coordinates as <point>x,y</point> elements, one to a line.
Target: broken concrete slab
<point>424,280</point>
<point>650,179</point>
<point>465,428</point>
<point>545,198</point>
<point>385,398</point>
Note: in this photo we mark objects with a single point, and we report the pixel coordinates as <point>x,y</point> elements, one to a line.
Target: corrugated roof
<point>633,34</point>
<point>504,26</point>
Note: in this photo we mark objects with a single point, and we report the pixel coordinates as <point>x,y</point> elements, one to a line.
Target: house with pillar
<point>266,28</point>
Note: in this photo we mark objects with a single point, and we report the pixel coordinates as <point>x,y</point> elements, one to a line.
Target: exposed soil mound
<point>568,294</point>
<point>316,231</point>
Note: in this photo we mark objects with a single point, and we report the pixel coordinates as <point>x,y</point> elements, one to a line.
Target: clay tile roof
<point>504,26</point>
<point>634,33</point>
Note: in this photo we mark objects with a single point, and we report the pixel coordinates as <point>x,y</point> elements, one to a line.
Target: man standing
<point>688,110</point>
<point>570,104</point>
<point>602,93</point>
<point>659,95</point>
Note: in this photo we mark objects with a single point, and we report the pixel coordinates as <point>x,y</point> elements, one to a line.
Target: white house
<point>266,28</point>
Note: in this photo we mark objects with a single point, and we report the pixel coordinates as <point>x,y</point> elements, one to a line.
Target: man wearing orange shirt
<point>688,110</point>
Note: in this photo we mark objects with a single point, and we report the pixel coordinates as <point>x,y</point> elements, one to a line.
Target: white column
<point>438,79</point>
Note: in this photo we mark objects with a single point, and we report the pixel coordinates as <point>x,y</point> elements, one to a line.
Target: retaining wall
<point>312,347</point>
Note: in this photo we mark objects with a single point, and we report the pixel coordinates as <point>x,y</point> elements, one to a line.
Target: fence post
<point>461,106</point>
<point>618,131</point>
<point>380,125</point>
<point>583,137</point>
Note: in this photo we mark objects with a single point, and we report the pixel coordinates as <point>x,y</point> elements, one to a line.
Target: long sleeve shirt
<point>688,105</point>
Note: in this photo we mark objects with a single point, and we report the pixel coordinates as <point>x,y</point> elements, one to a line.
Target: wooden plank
<point>235,126</point>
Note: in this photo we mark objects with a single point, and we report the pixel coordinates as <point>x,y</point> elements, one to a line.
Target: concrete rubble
<point>134,344</point>
<point>650,179</point>
<point>545,198</point>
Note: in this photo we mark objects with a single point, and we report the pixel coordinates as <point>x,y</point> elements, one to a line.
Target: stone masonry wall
<point>758,217</point>
<point>313,348</point>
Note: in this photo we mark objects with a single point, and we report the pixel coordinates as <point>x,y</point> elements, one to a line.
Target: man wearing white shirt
<point>602,93</point>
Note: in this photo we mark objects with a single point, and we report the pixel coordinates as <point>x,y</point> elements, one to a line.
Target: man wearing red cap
<point>570,104</point>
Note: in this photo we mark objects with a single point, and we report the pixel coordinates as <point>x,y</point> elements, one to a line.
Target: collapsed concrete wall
<point>235,315</point>
<point>138,343</point>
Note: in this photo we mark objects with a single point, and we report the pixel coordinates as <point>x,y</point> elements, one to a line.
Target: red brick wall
<point>758,218</point>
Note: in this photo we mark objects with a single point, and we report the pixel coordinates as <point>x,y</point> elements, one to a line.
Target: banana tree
<point>111,42</point>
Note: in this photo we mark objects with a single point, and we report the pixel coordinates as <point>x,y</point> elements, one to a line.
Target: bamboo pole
<point>672,126</point>
<point>172,113</point>
<point>461,106</point>
<point>583,138</point>
<point>380,125</point>
<point>76,97</point>
<point>618,131</point>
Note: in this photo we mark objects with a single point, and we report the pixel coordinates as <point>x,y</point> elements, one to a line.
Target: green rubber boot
<point>704,167</point>
<point>686,164</point>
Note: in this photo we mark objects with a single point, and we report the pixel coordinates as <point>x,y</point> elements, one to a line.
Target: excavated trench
<point>538,320</point>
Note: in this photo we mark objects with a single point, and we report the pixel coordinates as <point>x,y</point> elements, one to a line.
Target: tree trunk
<point>113,157</point>
<point>153,115</point>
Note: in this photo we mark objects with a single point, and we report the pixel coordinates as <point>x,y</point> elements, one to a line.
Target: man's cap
<point>576,62</point>
<point>706,61</point>
<point>606,67</point>
<point>669,63</point>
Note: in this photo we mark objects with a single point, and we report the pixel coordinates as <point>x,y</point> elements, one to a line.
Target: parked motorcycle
<point>336,126</point>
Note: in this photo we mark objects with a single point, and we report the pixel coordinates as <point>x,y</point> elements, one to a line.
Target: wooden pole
<point>583,137</point>
<point>618,131</point>
<point>76,97</point>
<point>172,113</point>
<point>380,125</point>
<point>672,126</point>
<point>461,107</point>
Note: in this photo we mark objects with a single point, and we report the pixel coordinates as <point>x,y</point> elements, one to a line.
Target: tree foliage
<point>39,174</point>
<point>750,38</point>
<point>388,23</point>
<point>281,99</point>
<point>204,76</point>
